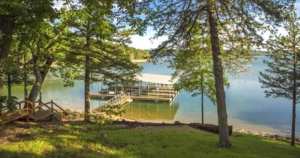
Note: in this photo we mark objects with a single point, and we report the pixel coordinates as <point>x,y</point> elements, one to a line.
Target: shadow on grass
<point>73,140</point>
<point>20,154</point>
<point>81,140</point>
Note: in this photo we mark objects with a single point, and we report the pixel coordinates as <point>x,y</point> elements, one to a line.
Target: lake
<point>248,108</point>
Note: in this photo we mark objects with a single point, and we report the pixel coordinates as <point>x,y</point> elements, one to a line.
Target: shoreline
<point>235,129</point>
<point>205,127</point>
<point>242,127</point>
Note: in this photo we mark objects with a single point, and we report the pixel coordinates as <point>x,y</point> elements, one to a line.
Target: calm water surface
<point>248,108</point>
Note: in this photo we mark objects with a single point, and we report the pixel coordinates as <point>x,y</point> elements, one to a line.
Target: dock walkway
<point>148,87</point>
<point>118,100</point>
<point>115,101</point>
<point>142,93</point>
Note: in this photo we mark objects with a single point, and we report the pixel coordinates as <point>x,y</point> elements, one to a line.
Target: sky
<point>147,42</point>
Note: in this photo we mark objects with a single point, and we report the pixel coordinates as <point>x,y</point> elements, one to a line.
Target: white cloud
<point>298,7</point>
<point>58,4</point>
<point>146,41</point>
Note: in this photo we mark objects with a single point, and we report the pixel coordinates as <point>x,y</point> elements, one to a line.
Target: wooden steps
<point>13,116</point>
<point>41,115</point>
<point>40,112</point>
<point>116,100</point>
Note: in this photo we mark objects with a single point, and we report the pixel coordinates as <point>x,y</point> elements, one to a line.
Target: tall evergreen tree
<point>235,20</point>
<point>282,77</point>
<point>194,73</point>
<point>98,39</point>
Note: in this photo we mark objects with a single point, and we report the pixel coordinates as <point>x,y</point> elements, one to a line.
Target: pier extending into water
<point>149,87</point>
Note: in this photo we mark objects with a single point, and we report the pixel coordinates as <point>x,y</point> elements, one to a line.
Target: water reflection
<point>151,111</point>
<point>247,105</point>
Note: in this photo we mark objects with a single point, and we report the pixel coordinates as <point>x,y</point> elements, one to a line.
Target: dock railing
<point>118,100</point>
<point>139,93</point>
<point>31,107</point>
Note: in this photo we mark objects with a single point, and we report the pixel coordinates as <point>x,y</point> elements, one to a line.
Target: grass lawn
<point>91,141</point>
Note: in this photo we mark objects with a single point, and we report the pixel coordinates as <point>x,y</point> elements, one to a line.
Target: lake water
<point>248,108</point>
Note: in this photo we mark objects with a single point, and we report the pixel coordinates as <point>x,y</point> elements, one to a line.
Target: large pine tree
<point>98,38</point>
<point>235,20</point>
<point>282,77</point>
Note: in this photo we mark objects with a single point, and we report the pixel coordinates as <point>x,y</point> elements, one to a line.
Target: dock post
<point>139,88</point>
<point>52,106</point>
<point>147,89</point>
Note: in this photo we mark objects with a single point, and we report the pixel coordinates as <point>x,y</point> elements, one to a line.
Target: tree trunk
<point>25,79</point>
<point>87,89</point>
<point>87,77</point>
<point>224,141</point>
<point>40,75</point>
<point>294,99</point>
<point>6,31</point>
<point>9,92</point>
<point>202,99</point>
<point>293,120</point>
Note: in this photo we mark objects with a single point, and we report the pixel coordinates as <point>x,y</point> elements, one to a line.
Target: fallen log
<point>205,127</point>
<point>209,127</point>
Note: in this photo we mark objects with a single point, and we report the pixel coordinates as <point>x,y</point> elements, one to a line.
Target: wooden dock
<point>117,100</point>
<point>138,93</point>
<point>133,97</point>
<point>147,87</point>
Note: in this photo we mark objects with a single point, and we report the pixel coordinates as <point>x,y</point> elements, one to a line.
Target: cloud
<point>297,4</point>
<point>146,41</point>
<point>58,4</point>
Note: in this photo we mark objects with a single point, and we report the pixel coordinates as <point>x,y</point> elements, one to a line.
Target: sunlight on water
<point>248,107</point>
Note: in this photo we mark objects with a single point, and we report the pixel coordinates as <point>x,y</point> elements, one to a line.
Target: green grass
<point>91,141</point>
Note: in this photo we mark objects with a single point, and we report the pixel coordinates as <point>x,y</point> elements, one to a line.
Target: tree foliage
<point>98,44</point>
<point>233,26</point>
<point>282,77</point>
<point>19,14</point>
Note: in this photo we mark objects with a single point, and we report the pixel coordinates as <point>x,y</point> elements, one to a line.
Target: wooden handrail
<point>56,105</point>
<point>115,101</point>
<point>40,104</point>
<point>44,104</point>
<point>3,109</point>
<point>59,107</point>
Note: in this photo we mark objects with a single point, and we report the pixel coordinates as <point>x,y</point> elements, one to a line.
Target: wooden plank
<point>150,98</point>
<point>41,115</point>
<point>10,117</point>
<point>57,106</point>
<point>135,97</point>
